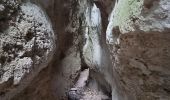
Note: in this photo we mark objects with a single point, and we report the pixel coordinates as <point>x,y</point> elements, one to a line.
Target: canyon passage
<point>84,50</point>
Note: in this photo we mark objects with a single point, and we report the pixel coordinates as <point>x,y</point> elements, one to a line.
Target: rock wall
<point>138,38</point>
<point>26,46</point>
<point>84,49</point>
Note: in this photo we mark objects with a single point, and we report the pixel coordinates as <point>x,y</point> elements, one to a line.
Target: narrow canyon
<point>84,50</point>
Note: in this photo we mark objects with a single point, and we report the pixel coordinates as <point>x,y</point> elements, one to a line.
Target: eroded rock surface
<point>138,37</point>
<point>133,65</point>
<point>26,47</point>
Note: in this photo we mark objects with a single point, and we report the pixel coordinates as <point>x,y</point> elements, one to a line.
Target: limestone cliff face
<point>26,46</point>
<point>138,37</point>
<point>84,50</point>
